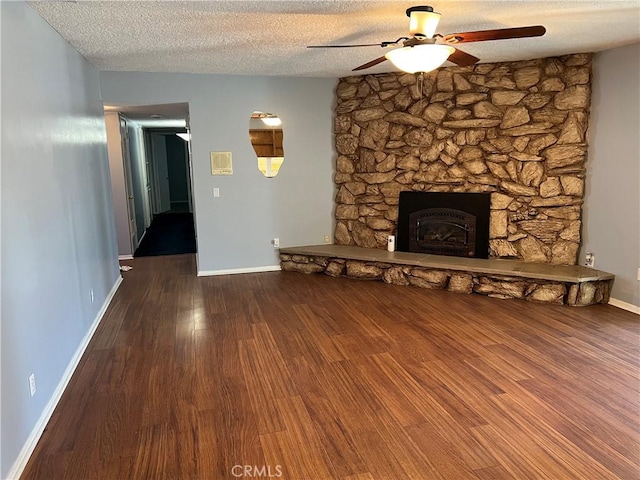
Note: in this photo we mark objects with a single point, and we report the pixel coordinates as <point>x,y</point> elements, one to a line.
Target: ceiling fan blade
<point>370,64</point>
<point>348,46</point>
<point>498,34</point>
<point>462,59</point>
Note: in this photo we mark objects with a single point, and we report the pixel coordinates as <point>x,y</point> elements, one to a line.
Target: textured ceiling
<point>269,37</point>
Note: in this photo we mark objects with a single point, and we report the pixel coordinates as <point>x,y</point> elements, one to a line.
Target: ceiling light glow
<point>420,58</point>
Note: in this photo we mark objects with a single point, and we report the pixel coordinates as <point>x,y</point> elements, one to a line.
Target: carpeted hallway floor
<point>169,234</point>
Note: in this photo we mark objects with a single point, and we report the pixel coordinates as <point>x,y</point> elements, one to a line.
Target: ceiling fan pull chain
<point>421,86</point>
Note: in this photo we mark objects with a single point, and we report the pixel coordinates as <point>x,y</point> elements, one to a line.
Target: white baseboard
<point>21,462</point>
<point>125,257</point>
<point>234,271</point>
<point>629,307</point>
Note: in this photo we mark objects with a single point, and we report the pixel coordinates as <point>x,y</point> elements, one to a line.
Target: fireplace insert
<point>455,224</point>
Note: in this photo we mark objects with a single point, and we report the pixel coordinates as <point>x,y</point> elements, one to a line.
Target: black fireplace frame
<point>413,205</point>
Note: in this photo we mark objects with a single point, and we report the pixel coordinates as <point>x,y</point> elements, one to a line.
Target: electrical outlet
<point>590,260</point>
<point>276,242</point>
<point>327,239</point>
<point>216,192</point>
<point>92,297</point>
<point>32,384</point>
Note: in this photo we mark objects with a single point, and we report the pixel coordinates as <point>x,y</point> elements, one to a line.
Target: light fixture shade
<point>423,23</point>
<point>271,121</point>
<point>421,58</point>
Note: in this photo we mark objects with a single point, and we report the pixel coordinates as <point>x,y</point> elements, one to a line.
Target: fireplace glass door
<point>442,231</point>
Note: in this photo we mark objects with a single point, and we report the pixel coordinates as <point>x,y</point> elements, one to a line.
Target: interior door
<point>187,158</point>
<point>131,209</point>
<point>162,171</point>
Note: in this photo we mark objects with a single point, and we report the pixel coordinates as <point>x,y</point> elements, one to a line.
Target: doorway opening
<point>151,175</point>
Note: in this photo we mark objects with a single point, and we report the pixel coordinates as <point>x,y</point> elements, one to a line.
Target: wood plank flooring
<point>285,375</point>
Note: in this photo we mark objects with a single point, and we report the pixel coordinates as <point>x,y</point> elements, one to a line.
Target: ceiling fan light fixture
<point>423,21</point>
<point>420,58</point>
<point>271,121</point>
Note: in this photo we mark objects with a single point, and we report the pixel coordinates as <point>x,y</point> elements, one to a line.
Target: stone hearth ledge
<point>573,285</point>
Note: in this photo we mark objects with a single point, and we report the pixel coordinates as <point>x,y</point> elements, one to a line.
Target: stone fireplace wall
<point>515,129</point>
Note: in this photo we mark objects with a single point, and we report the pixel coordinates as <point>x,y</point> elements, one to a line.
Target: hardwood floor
<point>294,376</point>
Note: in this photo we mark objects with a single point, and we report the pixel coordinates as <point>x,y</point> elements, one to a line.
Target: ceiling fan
<point>426,50</point>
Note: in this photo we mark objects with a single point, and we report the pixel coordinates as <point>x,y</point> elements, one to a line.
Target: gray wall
<point>58,235</point>
<point>611,214</point>
<point>235,230</point>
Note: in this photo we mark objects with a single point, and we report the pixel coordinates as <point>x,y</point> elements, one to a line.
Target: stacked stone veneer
<point>514,129</point>
<point>498,286</point>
